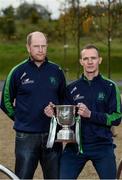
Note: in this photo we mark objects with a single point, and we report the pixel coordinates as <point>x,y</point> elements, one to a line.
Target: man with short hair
<point>98,102</point>
<point>32,84</point>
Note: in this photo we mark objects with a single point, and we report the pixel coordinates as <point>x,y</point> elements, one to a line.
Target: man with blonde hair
<point>32,84</point>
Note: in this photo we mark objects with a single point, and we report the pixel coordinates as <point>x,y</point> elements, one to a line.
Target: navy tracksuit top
<point>32,88</point>
<point>102,97</point>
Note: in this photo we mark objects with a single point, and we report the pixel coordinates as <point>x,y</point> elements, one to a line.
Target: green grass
<point>10,55</point>
<point>15,52</point>
<point>71,61</point>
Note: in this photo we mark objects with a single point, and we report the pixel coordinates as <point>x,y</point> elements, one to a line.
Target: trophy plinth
<point>66,135</point>
<point>65,115</point>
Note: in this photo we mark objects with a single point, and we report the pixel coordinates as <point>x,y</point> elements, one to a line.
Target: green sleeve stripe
<point>118,99</point>
<point>113,117</point>
<point>118,114</point>
<point>7,102</point>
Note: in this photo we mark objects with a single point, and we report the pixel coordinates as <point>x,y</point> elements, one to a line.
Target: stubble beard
<point>38,60</point>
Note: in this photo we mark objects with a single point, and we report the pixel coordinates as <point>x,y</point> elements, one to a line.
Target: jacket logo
<point>52,80</point>
<point>77,97</point>
<point>23,75</point>
<point>74,89</point>
<point>101,96</point>
<point>27,81</point>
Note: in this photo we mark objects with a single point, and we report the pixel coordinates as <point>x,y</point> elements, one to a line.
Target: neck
<point>90,75</point>
<point>38,63</point>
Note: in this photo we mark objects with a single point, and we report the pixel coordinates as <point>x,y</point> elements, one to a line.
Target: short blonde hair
<point>29,36</point>
<point>91,46</point>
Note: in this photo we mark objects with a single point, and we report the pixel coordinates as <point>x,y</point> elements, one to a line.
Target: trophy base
<point>66,136</point>
<point>65,141</point>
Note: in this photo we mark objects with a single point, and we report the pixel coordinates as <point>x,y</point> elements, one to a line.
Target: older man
<point>32,84</point>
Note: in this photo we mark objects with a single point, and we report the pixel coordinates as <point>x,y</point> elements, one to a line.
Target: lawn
<point>12,53</point>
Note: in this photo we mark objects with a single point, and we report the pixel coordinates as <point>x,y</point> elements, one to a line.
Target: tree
<point>26,10</point>
<point>111,14</point>
<point>8,26</point>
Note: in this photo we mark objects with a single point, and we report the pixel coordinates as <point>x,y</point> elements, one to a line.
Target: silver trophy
<point>65,115</point>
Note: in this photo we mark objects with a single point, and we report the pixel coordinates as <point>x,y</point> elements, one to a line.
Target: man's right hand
<point>49,110</point>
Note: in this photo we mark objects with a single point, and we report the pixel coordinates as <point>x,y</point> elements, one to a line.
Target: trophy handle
<point>76,111</point>
<point>54,108</point>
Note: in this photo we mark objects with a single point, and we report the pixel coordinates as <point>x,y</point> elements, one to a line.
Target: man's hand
<point>49,110</point>
<point>83,110</point>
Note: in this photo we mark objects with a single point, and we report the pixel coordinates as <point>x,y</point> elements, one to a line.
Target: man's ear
<point>80,60</point>
<point>28,48</point>
<point>100,60</point>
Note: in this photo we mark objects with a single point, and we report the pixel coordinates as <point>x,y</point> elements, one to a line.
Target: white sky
<point>52,5</point>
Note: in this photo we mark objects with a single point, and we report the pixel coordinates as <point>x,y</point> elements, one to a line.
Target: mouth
<point>40,54</point>
<point>90,67</point>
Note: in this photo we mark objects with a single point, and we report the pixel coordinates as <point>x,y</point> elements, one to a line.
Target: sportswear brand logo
<point>74,89</point>
<point>27,81</point>
<point>23,75</point>
<point>77,97</point>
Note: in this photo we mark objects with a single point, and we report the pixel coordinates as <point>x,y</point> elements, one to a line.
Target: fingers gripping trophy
<point>65,117</point>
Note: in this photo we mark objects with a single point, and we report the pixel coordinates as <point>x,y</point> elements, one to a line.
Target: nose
<point>90,60</point>
<point>40,48</point>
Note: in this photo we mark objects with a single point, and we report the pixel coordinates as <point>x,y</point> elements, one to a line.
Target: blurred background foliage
<point>77,25</point>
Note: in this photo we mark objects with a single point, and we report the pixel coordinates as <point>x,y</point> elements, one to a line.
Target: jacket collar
<point>32,62</point>
<point>94,79</point>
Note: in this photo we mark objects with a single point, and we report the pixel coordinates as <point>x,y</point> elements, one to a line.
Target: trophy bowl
<point>65,115</point>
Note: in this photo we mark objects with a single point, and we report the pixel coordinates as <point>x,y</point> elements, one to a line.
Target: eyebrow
<point>92,57</point>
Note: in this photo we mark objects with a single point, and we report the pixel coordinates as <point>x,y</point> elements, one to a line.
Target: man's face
<point>38,47</point>
<point>90,60</point>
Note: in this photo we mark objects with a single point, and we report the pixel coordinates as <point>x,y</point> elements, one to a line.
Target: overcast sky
<point>52,5</point>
